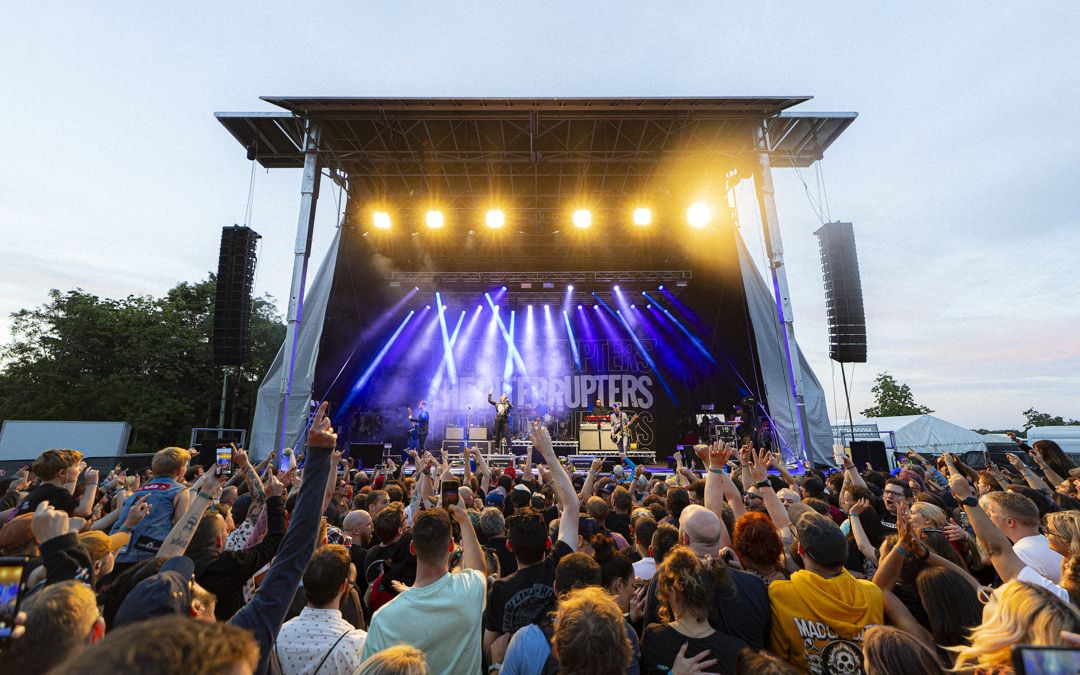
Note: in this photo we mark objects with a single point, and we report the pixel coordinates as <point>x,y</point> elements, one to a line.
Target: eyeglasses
<point>895,493</point>
<point>1051,533</point>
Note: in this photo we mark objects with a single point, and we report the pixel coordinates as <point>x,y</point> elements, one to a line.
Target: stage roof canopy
<point>535,149</point>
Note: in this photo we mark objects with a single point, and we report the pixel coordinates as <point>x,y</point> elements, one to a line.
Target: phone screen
<point>224,460</point>
<point>450,492</point>
<point>1029,660</point>
<point>11,587</point>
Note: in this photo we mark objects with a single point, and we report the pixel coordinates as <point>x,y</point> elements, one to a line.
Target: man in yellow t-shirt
<point>820,615</point>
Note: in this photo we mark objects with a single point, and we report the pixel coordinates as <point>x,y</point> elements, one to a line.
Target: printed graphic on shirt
<point>826,652</point>
<point>528,605</point>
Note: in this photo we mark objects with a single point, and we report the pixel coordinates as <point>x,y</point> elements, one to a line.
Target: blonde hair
<point>684,576</point>
<point>50,463</point>
<point>396,660</point>
<point>931,512</point>
<point>589,634</point>
<point>1024,614</point>
<point>169,461</point>
<point>1066,526</point>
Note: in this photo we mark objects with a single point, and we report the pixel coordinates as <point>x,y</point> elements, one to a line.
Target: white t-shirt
<point>1036,553</point>
<point>1034,578</point>
<point>443,620</point>
<point>645,568</point>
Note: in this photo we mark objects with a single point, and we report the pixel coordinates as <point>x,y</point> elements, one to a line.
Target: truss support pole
<point>774,247</point>
<point>305,225</point>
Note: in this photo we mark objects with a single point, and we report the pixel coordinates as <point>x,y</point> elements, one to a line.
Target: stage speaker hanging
<point>232,304</point>
<point>843,293</point>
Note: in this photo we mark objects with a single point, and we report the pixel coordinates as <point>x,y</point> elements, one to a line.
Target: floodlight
<point>698,215</point>
<point>434,219</point>
<point>642,216</point>
<point>582,219</point>
<point>495,218</point>
<point>570,287</point>
<point>381,220</point>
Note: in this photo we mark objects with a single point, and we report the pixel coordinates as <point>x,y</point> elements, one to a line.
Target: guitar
<point>621,432</point>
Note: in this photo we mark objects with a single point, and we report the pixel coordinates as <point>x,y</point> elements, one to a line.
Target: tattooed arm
<point>207,489</point>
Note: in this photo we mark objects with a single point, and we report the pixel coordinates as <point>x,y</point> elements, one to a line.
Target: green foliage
<point>1034,418</point>
<point>892,399</point>
<point>140,359</point>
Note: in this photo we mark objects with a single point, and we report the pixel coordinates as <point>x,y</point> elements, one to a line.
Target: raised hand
<point>860,506</point>
<point>139,510</point>
<point>954,532</point>
<point>321,434</point>
<point>597,464</point>
<point>91,476</point>
<point>759,468</point>
<point>240,457</point>
<point>274,487</point>
<point>48,523</point>
<point>540,438</point>
<point>719,454</point>
<point>960,486</point>
<point>702,452</point>
<point>208,484</point>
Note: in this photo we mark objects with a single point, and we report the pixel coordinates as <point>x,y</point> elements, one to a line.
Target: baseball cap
<point>495,497</point>
<point>167,592</point>
<point>99,544</point>
<point>523,488</point>
<point>617,470</point>
<point>822,540</point>
<point>510,471</point>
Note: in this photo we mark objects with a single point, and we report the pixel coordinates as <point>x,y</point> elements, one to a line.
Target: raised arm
<point>590,478</point>
<point>1050,474</point>
<point>1030,476</point>
<point>861,539</point>
<point>851,473</point>
<point>759,472</point>
<point>482,467</point>
<point>778,464</point>
<point>472,556</point>
<point>715,479</point>
<point>1005,561</point>
<point>86,502</point>
<point>560,484</point>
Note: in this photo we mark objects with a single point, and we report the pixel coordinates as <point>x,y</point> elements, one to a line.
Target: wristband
<point>124,528</point>
<point>852,515</point>
<point>763,483</point>
<point>204,495</point>
<point>494,667</point>
<point>903,552</point>
<point>713,469</point>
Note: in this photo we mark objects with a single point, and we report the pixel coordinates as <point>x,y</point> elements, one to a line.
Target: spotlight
<point>648,307</point>
<point>547,307</point>
<point>579,306</point>
<point>582,219</point>
<point>570,287</point>
<point>434,219</point>
<point>660,287</point>
<point>642,216</point>
<point>698,215</point>
<point>596,306</point>
<point>529,308</point>
<point>633,306</point>
<point>504,288</point>
<point>615,288</point>
<point>427,307</point>
<point>381,220</point>
<point>495,218</point>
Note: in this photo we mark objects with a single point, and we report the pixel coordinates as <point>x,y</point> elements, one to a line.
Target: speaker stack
<point>843,293</point>
<point>232,303</point>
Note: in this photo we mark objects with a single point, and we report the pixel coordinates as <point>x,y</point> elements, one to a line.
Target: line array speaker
<point>843,293</point>
<point>232,303</point>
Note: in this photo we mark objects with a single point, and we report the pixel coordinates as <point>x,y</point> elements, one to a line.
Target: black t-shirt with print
<point>524,597</point>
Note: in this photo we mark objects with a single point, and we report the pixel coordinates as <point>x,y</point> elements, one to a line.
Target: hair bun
<point>603,547</point>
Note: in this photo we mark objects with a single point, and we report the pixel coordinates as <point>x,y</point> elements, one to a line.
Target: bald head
<point>700,529</point>
<point>357,524</point>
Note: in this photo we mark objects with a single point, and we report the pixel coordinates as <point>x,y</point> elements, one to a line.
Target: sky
<point>960,173</point>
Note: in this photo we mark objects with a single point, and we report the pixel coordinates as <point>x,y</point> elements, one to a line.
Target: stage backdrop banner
<point>770,345</point>
<point>266,431</point>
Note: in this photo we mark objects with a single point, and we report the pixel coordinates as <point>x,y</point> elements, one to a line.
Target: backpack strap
<point>328,652</point>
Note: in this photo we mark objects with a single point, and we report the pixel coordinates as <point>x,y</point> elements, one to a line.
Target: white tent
<point>927,434</point>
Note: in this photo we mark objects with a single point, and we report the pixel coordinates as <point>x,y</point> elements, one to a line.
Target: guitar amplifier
<point>478,433</point>
<point>454,433</point>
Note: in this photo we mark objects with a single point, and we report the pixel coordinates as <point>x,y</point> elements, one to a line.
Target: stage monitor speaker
<point>454,433</point>
<point>869,451</point>
<point>478,433</point>
<point>367,454</point>
<point>232,302</point>
<point>843,293</point>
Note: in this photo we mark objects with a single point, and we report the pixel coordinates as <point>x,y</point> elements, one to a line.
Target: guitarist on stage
<point>420,426</point>
<point>621,427</point>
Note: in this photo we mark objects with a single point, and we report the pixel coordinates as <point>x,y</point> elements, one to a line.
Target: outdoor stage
<point>557,251</point>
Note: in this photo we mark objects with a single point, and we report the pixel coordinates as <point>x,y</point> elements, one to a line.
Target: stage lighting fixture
<point>596,306</point>
<point>648,307</point>
<point>633,306</point>
<point>698,215</point>
<point>427,307</point>
<point>504,288</point>
<point>642,216</point>
<point>582,219</point>
<point>579,306</point>
<point>381,220</point>
<point>570,287</point>
<point>615,288</point>
<point>495,218</point>
<point>660,287</point>
<point>434,219</point>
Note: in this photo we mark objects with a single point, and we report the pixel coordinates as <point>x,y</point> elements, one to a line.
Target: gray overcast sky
<point>960,174</point>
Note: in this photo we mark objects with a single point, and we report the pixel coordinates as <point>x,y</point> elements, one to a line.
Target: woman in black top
<point>685,588</point>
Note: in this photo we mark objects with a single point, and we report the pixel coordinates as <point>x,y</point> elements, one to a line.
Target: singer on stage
<point>502,419</point>
<point>420,425</point>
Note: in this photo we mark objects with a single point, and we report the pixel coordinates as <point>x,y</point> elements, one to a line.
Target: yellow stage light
<point>381,219</point>
<point>642,216</point>
<point>495,218</point>
<point>698,215</point>
<point>434,219</point>
<point>582,219</point>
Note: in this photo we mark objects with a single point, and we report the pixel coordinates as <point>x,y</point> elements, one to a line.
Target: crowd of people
<point>729,564</point>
